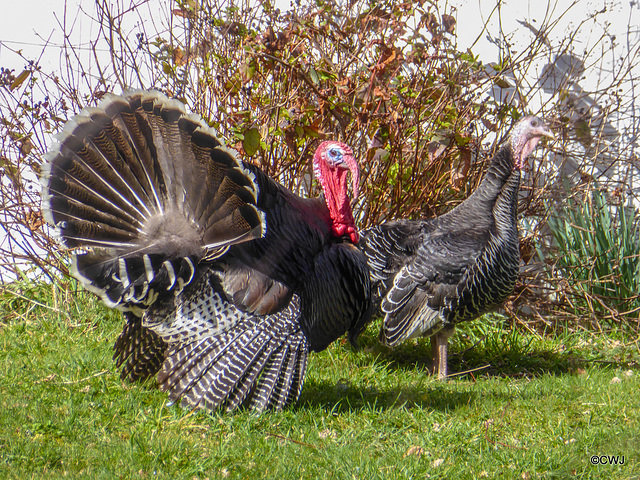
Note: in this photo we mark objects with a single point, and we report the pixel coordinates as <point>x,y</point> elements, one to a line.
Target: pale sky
<point>32,22</point>
<point>30,27</point>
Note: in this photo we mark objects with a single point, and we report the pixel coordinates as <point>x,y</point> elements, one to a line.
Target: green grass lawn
<point>533,408</point>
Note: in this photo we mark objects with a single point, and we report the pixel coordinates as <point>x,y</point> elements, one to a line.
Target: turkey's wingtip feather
<point>255,363</point>
<point>411,321</point>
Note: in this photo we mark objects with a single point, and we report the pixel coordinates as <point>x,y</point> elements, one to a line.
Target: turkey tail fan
<point>146,191</point>
<point>138,350</point>
<point>223,357</point>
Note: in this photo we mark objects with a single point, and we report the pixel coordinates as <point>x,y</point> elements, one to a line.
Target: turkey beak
<point>546,132</point>
<point>355,174</point>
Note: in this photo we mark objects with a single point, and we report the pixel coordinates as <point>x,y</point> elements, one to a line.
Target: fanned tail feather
<point>203,372</point>
<point>146,191</point>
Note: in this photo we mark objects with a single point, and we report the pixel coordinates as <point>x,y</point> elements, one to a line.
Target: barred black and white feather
<point>228,280</point>
<point>428,275</point>
<point>223,357</point>
<point>139,352</point>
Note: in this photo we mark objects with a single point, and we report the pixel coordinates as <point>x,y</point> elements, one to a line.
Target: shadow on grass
<point>501,354</point>
<point>481,362</point>
<point>344,398</point>
<point>485,360</point>
<point>428,393</point>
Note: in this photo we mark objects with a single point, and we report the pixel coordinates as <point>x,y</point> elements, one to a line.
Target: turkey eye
<point>534,123</point>
<point>333,152</point>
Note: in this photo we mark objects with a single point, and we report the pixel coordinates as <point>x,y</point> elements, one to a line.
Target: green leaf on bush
<point>251,142</point>
<point>501,82</point>
<point>247,71</point>
<point>11,171</point>
<point>312,132</point>
<point>314,76</point>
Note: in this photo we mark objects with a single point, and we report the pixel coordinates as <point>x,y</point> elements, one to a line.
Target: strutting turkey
<point>428,275</point>
<point>227,279</point>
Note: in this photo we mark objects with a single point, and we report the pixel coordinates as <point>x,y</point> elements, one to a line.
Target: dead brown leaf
<point>449,23</point>
<point>34,220</point>
<point>178,57</point>
<point>414,450</point>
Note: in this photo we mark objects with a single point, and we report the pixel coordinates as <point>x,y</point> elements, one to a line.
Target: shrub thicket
<point>385,77</point>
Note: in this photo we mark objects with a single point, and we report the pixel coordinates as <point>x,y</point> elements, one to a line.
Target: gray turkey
<point>428,275</point>
<point>227,279</point>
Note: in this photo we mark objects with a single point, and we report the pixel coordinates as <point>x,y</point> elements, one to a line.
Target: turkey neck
<point>497,193</point>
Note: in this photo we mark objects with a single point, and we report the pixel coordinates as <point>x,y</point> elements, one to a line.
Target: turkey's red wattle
<point>334,186</point>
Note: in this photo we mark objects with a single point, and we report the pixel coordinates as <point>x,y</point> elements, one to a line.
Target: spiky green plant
<point>599,257</point>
